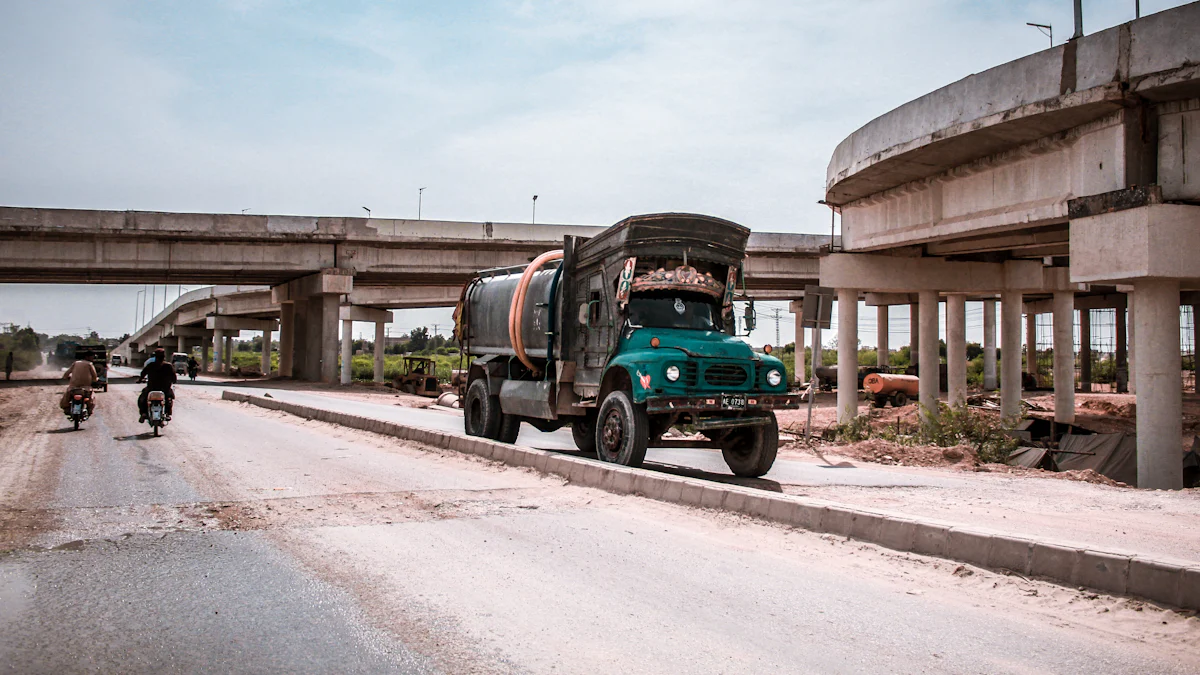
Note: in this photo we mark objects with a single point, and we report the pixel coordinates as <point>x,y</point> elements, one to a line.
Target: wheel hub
<point>613,433</point>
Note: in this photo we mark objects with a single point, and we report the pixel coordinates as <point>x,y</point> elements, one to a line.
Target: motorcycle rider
<point>159,375</point>
<point>82,375</point>
<point>193,367</point>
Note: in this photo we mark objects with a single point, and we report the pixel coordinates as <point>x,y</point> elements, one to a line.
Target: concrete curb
<point>1175,583</point>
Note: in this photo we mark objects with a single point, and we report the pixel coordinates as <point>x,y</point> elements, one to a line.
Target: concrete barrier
<point>1174,583</point>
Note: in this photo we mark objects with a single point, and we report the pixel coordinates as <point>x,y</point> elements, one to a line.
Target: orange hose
<point>518,306</point>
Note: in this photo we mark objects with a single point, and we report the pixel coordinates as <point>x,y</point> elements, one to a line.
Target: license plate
<point>733,401</point>
<point>76,409</point>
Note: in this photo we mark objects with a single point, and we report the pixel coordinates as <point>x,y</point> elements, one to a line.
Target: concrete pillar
<point>1064,357</point>
<point>379,345</point>
<point>1031,344</point>
<point>206,345</point>
<point>1085,350</point>
<point>1196,348</point>
<point>266,353</point>
<point>287,332</point>
<point>930,363</point>
<point>989,345</point>
<point>181,344</point>
<point>347,349</point>
<point>914,334</point>
<point>956,349</point>
<point>1010,352</point>
<point>330,305</point>
<point>219,350</point>
<point>847,369</point>
<point>1132,337</point>
<point>799,365</point>
<point>1159,390</point>
<point>228,367</point>
<point>1122,354</point>
<point>881,335</point>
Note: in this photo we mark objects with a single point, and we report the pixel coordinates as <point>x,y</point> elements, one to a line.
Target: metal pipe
<point>517,307</point>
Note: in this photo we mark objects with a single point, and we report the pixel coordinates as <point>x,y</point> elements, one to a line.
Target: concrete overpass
<point>1063,180</point>
<point>306,273</point>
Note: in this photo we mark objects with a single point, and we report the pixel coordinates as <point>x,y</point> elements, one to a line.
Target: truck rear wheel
<point>899,399</point>
<point>750,451</point>
<point>481,412</point>
<point>510,427</point>
<point>622,430</point>
<point>583,430</point>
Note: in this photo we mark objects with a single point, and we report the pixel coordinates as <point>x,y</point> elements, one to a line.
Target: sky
<point>603,109</point>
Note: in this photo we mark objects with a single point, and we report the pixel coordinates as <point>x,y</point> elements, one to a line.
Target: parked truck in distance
<point>624,336</point>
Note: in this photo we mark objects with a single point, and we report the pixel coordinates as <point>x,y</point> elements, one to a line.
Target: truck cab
<point>624,336</point>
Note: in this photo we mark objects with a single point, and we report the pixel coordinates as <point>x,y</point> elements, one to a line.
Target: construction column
<point>379,340</point>
<point>218,350</point>
<point>1031,343</point>
<point>1085,350</point>
<point>914,334</point>
<point>1159,388</point>
<point>266,352</point>
<point>1010,352</point>
<point>956,349</point>
<point>989,345</point>
<point>287,332</point>
<point>930,365</point>
<point>316,302</point>
<point>347,349</point>
<point>847,369</point>
<point>1064,357</point>
<point>881,336</point>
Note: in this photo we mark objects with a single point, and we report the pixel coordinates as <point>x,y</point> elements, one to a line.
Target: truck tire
<point>899,399</point>
<point>481,412</point>
<point>510,426</point>
<point>750,451</point>
<point>583,430</point>
<point>622,430</point>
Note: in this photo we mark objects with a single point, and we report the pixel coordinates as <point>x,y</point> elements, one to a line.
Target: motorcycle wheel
<point>155,427</point>
<point>76,424</point>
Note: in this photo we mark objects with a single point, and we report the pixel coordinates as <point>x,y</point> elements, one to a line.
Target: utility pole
<point>420,197</point>
<point>777,312</point>
<point>533,220</point>
<point>1078,20</point>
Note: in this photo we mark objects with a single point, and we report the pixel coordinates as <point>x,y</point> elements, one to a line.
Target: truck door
<point>594,332</point>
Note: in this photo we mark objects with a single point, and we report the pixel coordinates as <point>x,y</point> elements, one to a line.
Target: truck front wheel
<point>481,412</point>
<point>750,451</point>
<point>622,430</point>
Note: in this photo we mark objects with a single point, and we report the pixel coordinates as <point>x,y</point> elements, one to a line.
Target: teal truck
<point>624,336</point>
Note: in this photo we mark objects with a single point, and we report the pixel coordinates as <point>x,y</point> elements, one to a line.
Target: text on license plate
<point>734,401</point>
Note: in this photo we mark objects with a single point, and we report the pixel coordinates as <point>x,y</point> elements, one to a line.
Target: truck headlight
<point>774,377</point>
<point>672,373</point>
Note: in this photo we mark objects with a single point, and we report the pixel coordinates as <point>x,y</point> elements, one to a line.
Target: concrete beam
<point>888,299</point>
<point>172,330</point>
<point>356,313</point>
<point>1156,241</point>
<point>230,323</point>
<point>327,281</point>
<point>892,274</point>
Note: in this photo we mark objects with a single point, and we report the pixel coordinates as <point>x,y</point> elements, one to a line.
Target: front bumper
<point>711,403</point>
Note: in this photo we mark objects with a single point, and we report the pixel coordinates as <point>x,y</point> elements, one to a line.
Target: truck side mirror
<point>750,318</point>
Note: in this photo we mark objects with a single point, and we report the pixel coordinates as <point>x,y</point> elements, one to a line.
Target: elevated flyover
<point>1065,180</point>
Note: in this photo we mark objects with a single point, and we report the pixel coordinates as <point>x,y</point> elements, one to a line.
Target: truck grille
<point>725,375</point>
<point>689,374</point>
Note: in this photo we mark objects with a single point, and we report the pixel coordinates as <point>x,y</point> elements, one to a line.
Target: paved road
<point>690,461</point>
<point>251,541</point>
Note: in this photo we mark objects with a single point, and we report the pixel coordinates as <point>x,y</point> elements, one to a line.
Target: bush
<point>959,425</point>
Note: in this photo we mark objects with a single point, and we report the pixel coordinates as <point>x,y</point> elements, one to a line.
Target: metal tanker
<point>623,336</point>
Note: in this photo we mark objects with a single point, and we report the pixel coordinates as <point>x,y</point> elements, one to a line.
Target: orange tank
<point>886,383</point>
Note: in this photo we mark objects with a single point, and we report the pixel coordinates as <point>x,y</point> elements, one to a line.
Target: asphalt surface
<point>691,461</point>
<point>245,540</point>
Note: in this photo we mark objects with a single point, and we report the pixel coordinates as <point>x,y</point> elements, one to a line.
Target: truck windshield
<point>674,310</point>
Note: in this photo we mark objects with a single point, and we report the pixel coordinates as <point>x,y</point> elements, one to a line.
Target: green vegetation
<point>25,345</point>
<point>988,435</point>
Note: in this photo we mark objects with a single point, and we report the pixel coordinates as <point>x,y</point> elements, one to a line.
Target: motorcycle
<point>156,407</point>
<point>77,409</point>
<point>192,372</point>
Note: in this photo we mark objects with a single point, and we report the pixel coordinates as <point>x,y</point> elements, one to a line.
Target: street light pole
<point>420,196</point>
<point>1040,26</point>
<point>137,303</point>
<point>368,211</point>
<point>533,220</point>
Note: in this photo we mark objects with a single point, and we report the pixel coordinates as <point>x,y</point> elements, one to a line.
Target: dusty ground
<point>484,568</point>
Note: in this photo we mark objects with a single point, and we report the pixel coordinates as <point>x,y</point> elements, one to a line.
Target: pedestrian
<point>8,366</point>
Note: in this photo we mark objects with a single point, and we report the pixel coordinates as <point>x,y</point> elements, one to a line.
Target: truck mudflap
<point>722,403</point>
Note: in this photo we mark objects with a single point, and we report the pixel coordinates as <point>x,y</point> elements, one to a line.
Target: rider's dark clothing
<point>159,376</point>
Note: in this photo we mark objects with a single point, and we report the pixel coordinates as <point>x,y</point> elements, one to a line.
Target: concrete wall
<point>1179,149</point>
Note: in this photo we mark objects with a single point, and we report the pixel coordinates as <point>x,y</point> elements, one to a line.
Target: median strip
<point>1175,583</point>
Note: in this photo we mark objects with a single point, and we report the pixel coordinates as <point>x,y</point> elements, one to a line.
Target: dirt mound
<point>1106,407</point>
<point>886,452</point>
<point>1081,475</point>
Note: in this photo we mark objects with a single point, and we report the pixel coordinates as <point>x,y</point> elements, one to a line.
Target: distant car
<point>179,360</point>
<point>116,359</point>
